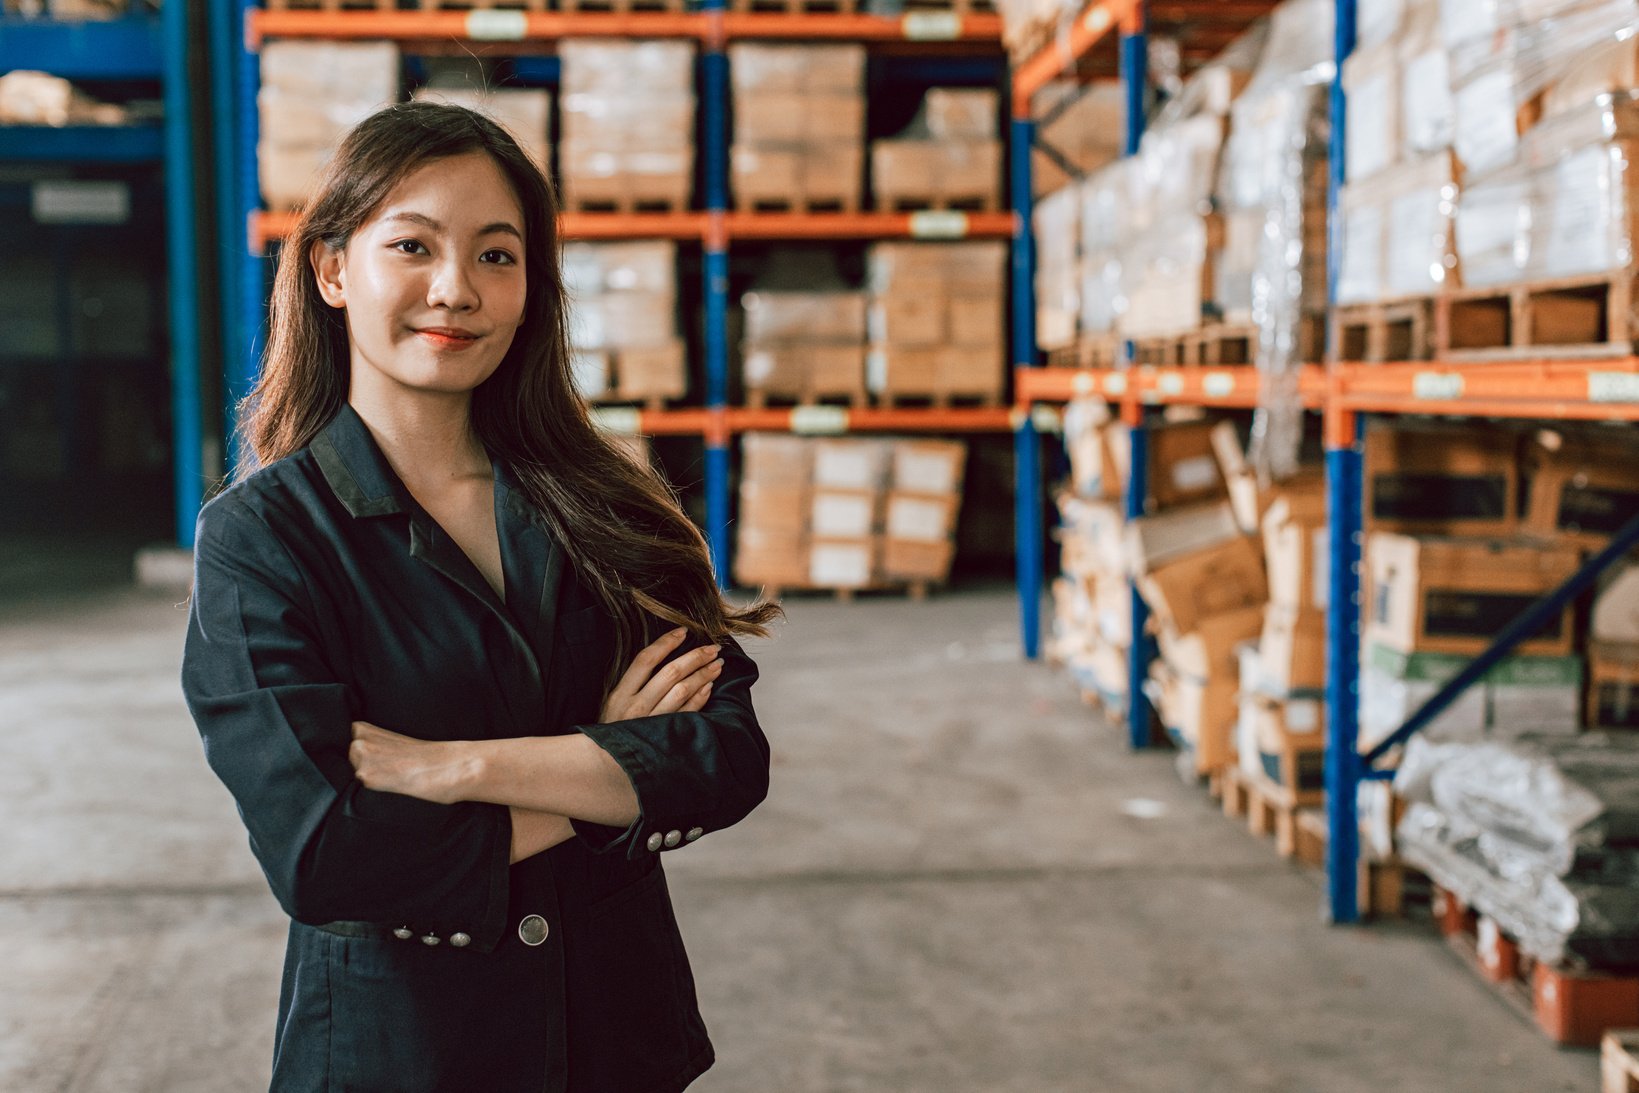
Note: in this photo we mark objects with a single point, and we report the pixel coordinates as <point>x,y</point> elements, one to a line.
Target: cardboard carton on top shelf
<point>652,372</point>
<point>1459,481</point>
<point>798,118</point>
<point>638,69</point>
<point>1150,542</point>
<point>1208,650</point>
<point>928,466</point>
<point>804,317</point>
<point>1208,582</point>
<point>1455,595</point>
<point>975,319</point>
<point>907,319</point>
<point>592,269</point>
<point>970,266</point>
<point>756,67</point>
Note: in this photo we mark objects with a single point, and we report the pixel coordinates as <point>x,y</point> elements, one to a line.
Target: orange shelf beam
<point>481,25</point>
<point>266,227</point>
<point>920,26</point>
<point>1230,386</point>
<point>1088,30</point>
<point>1583,390</point>
<point>967,419</point>
<point>870,225</point>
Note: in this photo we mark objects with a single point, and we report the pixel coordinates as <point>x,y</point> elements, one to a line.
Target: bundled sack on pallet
<point>947,156</point>
<point>627,114</point>
<point>804,332</point>
<point>312,94</point>
<point>623,321</point>
<point>1273,189</point>
<point>1085,126</point>
<point>936,320</point>
<point>799,125</point>
<point>1055,222</point>
<point>1541,834</point>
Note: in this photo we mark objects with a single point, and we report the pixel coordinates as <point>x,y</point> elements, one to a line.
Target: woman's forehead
<point>462,194</point>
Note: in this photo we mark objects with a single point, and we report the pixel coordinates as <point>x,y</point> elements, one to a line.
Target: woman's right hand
<point>684,685</point>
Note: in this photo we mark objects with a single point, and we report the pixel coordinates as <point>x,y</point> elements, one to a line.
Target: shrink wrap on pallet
<point>1058,277</point>
<point>1398,233</point>
<point>312,94</point>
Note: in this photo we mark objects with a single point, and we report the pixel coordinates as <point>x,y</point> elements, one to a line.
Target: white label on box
<point>1115,383</point>
<point>917,520</point>
<point>70,201</point>
<point>840,565</point>
<point>931,26</point>
<point>1320,569</point>
<point>1199,473</point>
<point>840,516</point>
<point>626,420</point>
<point>920,472</point>
<point>938,224</point>
<point>819,420</point>
<point>845,466</point>
<point>1303,715</point>
<point>489,25</point>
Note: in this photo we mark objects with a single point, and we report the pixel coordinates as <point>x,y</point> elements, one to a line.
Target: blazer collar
<point>353,463</point>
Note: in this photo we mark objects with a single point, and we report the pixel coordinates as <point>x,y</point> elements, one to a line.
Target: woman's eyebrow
<point>430,224</point>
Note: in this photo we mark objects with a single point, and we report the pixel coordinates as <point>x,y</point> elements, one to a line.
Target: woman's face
<point>433,283</point>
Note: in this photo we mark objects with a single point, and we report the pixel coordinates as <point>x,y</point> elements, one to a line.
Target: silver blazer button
<point>532,929</point>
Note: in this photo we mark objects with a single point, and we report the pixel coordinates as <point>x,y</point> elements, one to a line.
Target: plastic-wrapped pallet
<point>525,113</point>
<point>1398,232</point>
<point>1058,280</point>
<point>799,125</point>
<point>936,320</point>
<point>312,94</point>
<point>627,113</point>
<point>948,156</point>
<point>1104,198</point>
<point>623,320</point>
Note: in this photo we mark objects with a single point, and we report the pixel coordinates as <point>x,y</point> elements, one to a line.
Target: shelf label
<point>1613,387</point>
<point>490,25</point>
<point>1437,386</point>
<point>938,224</point>
<point>618,419</point>
<point>1170,383</point>
<point>1046,419</point>
<point>1097,21</point>
<point>822,420</point>
<point>1115,383</point>
<point>931,26</point>
<point>80,201</point>
<point>1084,384</point>
<point>1218,384</point>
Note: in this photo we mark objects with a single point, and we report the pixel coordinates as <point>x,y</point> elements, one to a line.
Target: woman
<point>461,662</point>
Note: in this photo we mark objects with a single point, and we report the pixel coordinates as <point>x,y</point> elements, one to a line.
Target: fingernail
<point>679,632</point>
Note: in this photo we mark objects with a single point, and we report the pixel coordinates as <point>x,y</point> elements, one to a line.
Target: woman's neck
<point>427,437</point>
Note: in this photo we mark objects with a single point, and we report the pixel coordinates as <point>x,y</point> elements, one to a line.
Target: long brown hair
<point>621,525</point>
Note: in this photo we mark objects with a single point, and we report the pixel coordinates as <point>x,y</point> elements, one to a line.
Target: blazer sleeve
<point>276,722</point>
<point>692,772</point>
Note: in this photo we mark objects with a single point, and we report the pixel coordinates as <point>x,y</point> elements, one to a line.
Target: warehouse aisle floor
<point>961,882</point>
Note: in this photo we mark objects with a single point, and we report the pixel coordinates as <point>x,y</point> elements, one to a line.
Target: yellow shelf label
<point>938,224</point>
<point>819,420</point>
<point>617,419</point>
<point>489,25</point>
<point>1218,384</point>
<point>1437,386</point>
<point>1613,387</point>
<point>931,26</point>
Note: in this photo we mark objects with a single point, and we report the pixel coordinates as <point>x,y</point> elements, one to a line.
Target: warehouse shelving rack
<point>1545,389</point>
<point>716,227</point>
<point>137,47</point>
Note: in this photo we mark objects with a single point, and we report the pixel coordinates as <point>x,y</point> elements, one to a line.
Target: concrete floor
<point>949,889</point>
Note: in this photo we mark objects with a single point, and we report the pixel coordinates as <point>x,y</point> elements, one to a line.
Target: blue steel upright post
<point>182,256</point>
<point>245,296</point>
<point>1027,500</point>
<point>1134,77</point>
<point>714,146</point>
<point>1345,491</point>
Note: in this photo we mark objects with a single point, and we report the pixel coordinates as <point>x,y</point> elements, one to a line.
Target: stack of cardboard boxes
<point>627,124</point>
<point>623,321</point>
<point>948,157</point>
<point>525,113</point>
<point>804,346</point>
<point>312,93</point>
<point>799,126</point>
<point>936,321</point>
<point>847,513</point>
<point>1087,134</point>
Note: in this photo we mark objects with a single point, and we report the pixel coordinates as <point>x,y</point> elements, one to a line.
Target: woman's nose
<point>452,287</point>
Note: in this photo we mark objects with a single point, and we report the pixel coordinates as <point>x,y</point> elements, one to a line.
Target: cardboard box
<point>525,113</point>
<point>773,317</point>
<point>1292,651</point>
<point>974,371</point>
<point>1526,694</point>
<point>1088,443</point>
<point>1291,748</point>
<point>928,466</point>
<point>903,319</point>
<point>1613,685</point>
<point>775,508</point>
<point>1150,542</point>
<point>1442,482</point>
<point>851,464</point>
<point>976,320</point>
<point>645,373</point>
<point>925,171</point>
<point>843,514</point>
<point>1616,607</point>
<point>917,561</point>
<point>1184,465</point>
<point>842,563</point>
<point>795,370</point>
<point>1184,592</point>
<point>787,119</point>
<point>921,518</point>
<point>1456,595</point>
<point>1208,651</point>
<point>1296,550</point>
<point>777,459</point>
<point>777,568</point>
<point>1583,493</point>
<point>961,114</point>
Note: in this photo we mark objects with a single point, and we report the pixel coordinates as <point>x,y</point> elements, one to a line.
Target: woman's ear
<point>329,269</point>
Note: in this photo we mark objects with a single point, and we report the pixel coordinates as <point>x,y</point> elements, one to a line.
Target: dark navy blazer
<point>324,594</point>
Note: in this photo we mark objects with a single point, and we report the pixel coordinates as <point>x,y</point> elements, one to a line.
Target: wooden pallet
<point>1393,330</point>
<point>923,202</point>
<point>1271,810</point>
<point>332,5</point>
<point>624,204</point>
<point>916,591</point>
<point>798,7</point>
<point>1619,1061</point>
<point>1583,317</point>
<point>621,7</point>
<point>938,400</point>
<point>796,203</point>
<point>1572,1007</point>
<point>759,399</point>
<point>1093,351</point>
<point>1210,345</point>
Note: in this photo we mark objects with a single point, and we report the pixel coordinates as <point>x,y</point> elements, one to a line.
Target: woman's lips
<point>440,340</point>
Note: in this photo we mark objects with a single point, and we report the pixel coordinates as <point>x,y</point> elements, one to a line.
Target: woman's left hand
<point>433,770</point>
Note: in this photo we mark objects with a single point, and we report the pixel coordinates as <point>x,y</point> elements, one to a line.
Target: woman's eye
<point>499,257</point>
<point>407,246</point>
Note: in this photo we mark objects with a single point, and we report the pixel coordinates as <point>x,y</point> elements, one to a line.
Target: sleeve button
<point>430,939</point>
<point>404,933</point>
<point>694,833</point>
<point>655,840</point>
<point>673,837</point>
<point>460,940</point>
